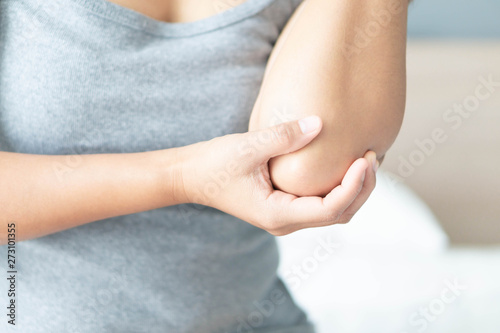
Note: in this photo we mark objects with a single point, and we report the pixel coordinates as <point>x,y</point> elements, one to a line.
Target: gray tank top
<point>89,77</point>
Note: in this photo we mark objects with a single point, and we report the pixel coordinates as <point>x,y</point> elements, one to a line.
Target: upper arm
<point>350,71</point>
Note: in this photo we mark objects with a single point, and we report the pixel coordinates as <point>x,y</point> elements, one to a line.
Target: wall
<point>455,18</point>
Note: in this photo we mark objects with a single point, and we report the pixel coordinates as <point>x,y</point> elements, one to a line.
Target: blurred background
<point>454,19</point>
<point>453,46</point>
<point>423,254</point>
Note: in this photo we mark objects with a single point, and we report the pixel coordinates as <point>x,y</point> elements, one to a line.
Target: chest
<point>179,10</point>
<point>101,91</point>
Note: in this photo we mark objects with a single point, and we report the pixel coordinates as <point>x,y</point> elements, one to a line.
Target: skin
<point>43,195</point>
<point>41,198</point>
<point>179,10</point>
<point>318,67</point>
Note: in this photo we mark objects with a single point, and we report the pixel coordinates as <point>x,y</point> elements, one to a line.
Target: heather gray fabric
<point>88,76</point>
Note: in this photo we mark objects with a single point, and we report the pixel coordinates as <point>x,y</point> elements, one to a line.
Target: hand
<point>230,173</point>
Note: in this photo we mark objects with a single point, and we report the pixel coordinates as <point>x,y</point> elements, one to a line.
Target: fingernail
<point>309,124</point>
<point>376,166</point>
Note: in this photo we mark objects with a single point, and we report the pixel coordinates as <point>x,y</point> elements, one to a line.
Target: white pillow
<point>394,217</point>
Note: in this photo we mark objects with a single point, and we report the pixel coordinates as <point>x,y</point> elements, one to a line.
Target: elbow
<point>310,171</point>
<point>319,167</point>
<point>295,175</point>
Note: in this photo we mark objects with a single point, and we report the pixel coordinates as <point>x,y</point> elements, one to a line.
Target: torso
<point>90,77</point>
<point>179,10</point>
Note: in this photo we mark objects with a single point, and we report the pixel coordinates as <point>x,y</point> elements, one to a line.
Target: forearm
<point>336,59</point>
<point>45,194</point>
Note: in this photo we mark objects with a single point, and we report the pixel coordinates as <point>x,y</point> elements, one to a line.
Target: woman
<point>135,114</point>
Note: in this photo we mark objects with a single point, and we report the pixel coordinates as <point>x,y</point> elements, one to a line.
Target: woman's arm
<point>45,194</point>
<point>343,60</point>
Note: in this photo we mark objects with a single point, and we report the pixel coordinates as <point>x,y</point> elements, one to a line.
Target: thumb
<point>286,137</point>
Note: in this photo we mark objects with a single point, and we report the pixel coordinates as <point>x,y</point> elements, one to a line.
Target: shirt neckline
<point>139,21</point>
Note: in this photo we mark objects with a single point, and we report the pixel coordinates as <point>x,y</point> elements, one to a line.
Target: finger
<point>306,212</point>
<point>352,184</point>
<point>366,191</point>
<point>285,137</point>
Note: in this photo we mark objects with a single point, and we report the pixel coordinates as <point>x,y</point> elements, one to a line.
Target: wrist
<point>190,172</point>
<point>170,166</point>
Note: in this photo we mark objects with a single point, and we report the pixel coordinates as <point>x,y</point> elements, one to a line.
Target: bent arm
<point>45,194</point>
<point>343,60</point>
